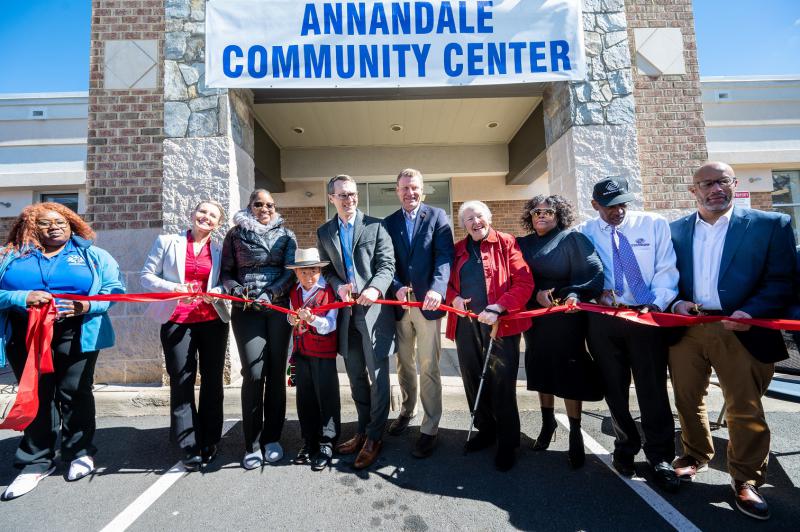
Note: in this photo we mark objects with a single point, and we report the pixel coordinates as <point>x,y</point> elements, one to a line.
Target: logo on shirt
<point>641,242</point>
<point>75,260</point>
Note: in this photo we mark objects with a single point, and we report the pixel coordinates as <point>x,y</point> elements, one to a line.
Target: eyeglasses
<point>709,184</point>
<point>47,224</point>
<point>259,204</point>
<point>547,213</point>
<point>346,196</point>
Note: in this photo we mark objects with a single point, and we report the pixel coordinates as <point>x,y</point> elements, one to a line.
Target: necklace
<point>474,251</point>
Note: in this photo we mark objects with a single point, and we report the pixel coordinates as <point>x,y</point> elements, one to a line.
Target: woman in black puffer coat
<point>255,254</point>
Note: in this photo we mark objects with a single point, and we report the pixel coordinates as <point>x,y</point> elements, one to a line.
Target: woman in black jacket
<point>255,254</point>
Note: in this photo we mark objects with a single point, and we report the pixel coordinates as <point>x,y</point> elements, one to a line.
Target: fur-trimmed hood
<point>247,221</point>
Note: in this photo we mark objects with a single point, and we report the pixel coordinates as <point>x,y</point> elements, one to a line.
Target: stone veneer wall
<point>124,173</point>
<point>669,114</point>
<point>589,124</point>
<point>208,152</point>
<point>505,217</point>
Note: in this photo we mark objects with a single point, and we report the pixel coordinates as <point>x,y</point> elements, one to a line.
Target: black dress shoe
<point>426,443</point>
<point>399,425</point>
<point>749,501</point>
<point>323,457</point>
<point>191,460</point>
<point>623,464</point>
<point>480,441</point>
<point>303,455</point>
<point>576,454</point>
<point>207,454</point>
<point>665,478</point>
<point>504,459</point>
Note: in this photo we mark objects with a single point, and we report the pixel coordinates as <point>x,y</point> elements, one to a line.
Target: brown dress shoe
<point>686,467</point>
<point>749,501</point>
<point>369,453</point>
<point>353,445</point>
<point>425,446</point>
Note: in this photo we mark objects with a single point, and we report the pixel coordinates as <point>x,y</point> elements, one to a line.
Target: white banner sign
<point>367,44</point>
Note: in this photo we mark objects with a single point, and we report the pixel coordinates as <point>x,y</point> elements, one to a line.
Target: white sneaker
<point>252,460</point>
<point>273,452</point>
<point>24,483</point>
<point>80,467</point>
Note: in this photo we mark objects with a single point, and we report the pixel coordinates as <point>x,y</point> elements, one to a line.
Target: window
<point>380,199</point>
<point>786,196</point>
<point>68,199</point>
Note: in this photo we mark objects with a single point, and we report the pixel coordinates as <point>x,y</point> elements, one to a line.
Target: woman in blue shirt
<point>49,250</point>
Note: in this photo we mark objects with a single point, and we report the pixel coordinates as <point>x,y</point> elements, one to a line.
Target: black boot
<point>576,455</point>
<point>548,431</point>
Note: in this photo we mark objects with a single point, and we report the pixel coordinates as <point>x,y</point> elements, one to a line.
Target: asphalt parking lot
<point>137,488</point>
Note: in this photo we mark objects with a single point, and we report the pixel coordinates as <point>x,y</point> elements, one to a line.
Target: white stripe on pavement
<point>130,514</point>
<point>668,512</point>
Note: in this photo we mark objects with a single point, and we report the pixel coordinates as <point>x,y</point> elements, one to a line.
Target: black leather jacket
<point>254,259</point>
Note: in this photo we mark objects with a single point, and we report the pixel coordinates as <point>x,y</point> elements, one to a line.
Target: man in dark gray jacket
<point>361,269</point>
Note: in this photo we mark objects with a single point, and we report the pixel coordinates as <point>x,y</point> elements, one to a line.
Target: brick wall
<point>761,200</point>
<point>669,115</point>
<point>304,221</point>
<point>125,135</point>
<point>5,227</point>
<point>505,217</point>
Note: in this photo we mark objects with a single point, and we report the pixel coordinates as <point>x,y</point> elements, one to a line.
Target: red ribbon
<point>41,318</point>
<point>39,362</point>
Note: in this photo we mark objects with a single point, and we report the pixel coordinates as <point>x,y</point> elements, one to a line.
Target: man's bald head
<point>712,169</point>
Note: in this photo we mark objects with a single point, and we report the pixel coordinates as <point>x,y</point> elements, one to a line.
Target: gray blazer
<point>373,258</point>
<point>165,267</point>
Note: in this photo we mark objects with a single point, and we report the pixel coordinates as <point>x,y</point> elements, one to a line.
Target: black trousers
<point>497,409</point>
<point>622,348</point>
<point>66,402</point>
<point>195,427</point>
<point>263,341</point>
<point>318,404</point>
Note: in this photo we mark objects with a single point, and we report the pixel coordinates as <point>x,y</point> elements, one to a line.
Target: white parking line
<point>151,494</point>
<point>668,512</point>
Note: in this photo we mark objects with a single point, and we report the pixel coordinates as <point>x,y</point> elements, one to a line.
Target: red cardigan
<point>509,281</point>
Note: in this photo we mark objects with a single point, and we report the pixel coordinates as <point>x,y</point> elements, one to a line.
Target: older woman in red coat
<point>490,277</point>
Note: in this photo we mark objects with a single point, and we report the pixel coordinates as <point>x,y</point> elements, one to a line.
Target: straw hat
<point>307,258</point>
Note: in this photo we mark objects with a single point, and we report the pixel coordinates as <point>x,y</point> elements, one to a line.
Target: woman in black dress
<point>566,269</point>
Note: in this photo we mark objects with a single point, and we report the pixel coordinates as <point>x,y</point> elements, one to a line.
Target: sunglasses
<point>547,213</point>
<point>259,204</point>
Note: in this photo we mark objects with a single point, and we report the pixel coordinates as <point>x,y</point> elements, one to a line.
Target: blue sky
<point>44,44</point>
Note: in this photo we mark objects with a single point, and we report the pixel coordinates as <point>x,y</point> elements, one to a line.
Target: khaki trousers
<point>413,329</point>
<point>743,380</point>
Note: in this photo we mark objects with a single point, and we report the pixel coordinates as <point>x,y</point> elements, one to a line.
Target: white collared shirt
<point>323,324</point>
<point>650,239</point>
<point>707,246</point>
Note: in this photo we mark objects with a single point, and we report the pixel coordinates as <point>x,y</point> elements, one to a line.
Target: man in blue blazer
<point>423,250</point>
<point>740,263</point>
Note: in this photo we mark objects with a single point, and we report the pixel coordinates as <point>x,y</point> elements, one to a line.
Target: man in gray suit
<point>361,268</point>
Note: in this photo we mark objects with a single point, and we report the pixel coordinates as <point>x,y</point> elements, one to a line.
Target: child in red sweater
<point>314,351</point>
